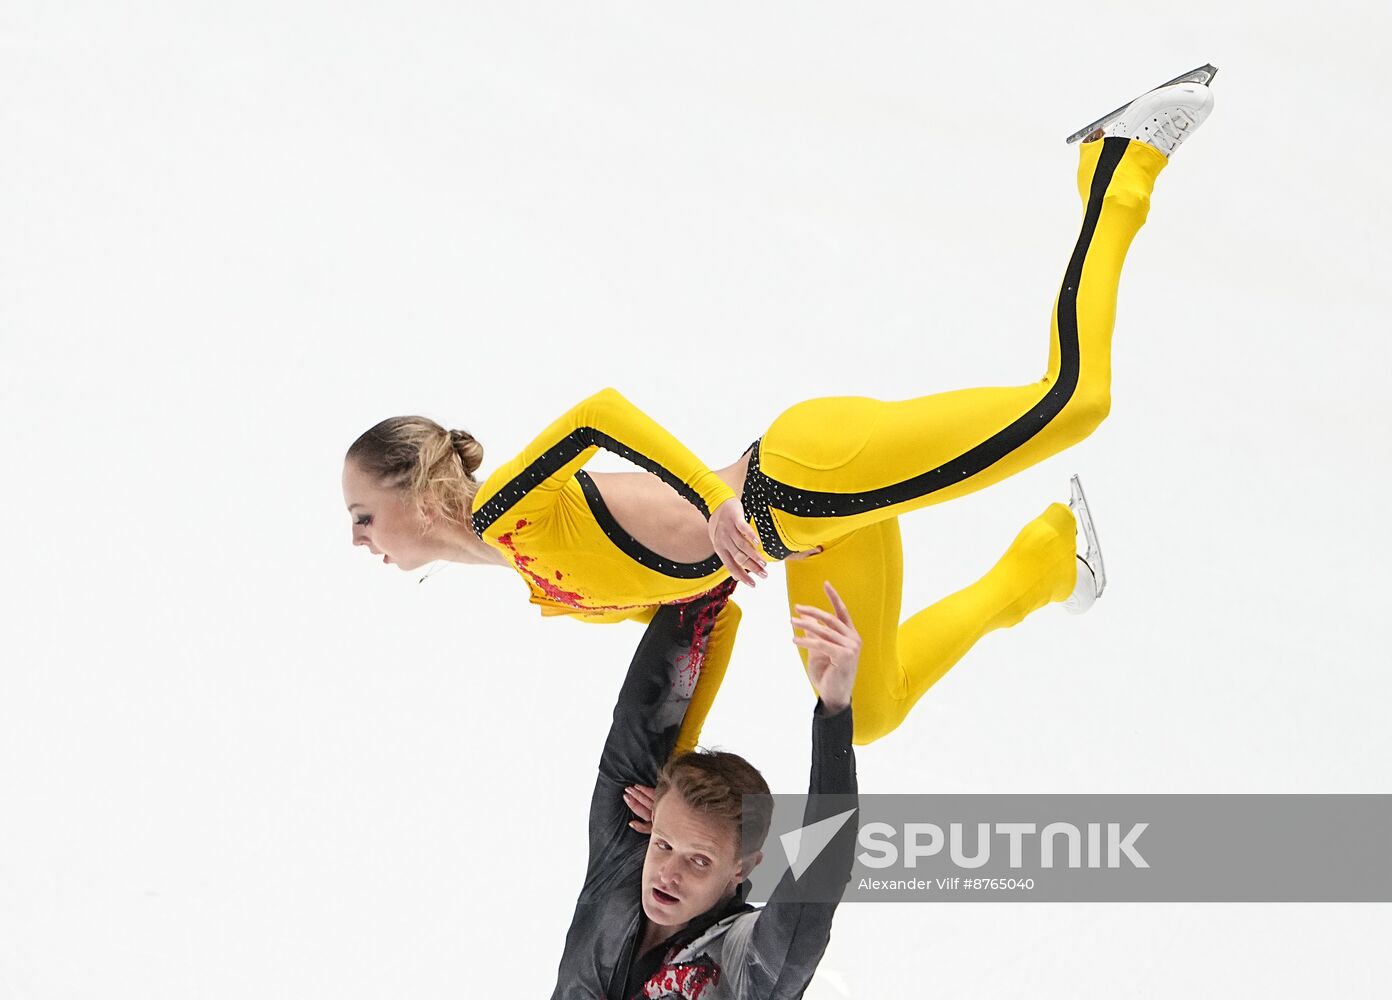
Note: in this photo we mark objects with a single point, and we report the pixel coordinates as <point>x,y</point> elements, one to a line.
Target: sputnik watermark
<point>926,840</point>
<point>805,844</point>
<point>1062,848</point>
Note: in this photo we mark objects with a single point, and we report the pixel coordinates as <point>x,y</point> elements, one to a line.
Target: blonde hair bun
<point>470,452</point>
<point>434,466</point>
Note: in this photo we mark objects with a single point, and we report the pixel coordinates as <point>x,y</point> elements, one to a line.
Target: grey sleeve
<point>647,720</point>
<point>790,935</point>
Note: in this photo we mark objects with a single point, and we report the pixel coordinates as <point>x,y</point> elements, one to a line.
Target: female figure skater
<point>827,480</point>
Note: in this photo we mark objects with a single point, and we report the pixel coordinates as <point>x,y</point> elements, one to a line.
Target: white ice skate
<point>1092,576</point>
<point>1163,117</point>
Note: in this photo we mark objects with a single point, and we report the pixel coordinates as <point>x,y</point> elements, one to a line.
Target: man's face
<point>692,863</point>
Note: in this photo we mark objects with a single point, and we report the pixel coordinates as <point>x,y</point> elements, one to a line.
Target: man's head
<point>703,844</point>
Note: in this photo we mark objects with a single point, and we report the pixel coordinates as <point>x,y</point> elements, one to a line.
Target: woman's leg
<point>831,465</point>
<point>899,662</point>
<point>713,663</point>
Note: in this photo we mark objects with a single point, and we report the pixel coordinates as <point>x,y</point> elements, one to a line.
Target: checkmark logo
<point>803,845</point>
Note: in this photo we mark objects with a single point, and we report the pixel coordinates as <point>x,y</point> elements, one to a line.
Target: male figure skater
<point>662,914</point>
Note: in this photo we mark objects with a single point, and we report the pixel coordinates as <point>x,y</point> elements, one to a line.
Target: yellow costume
<point>836,473</point>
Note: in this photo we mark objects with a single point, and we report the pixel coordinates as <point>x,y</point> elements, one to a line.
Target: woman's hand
<point>833,649</point>
<point>735,543</point>
<point>639,798</point>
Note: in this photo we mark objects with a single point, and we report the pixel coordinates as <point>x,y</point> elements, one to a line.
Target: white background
<point>240,759</point>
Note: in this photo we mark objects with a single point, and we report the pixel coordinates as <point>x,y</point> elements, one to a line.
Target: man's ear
<point>748,863</point>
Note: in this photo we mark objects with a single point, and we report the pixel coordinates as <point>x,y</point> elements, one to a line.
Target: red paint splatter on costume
<point>702,628</point>
<point>687,981</point>
<point>523,564</point>
<point>575,600</point>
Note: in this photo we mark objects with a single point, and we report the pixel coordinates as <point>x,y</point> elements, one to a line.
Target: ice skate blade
<point>1092,557</point>
<point>1203,75</point>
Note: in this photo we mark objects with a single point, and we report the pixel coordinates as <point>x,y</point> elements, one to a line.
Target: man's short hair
<point>714,782</point>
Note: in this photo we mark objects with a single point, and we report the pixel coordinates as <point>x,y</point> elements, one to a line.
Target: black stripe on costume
<point>635,549</point>
<point>810,503</point>
<point>558,455</point>
<point>757,490</point>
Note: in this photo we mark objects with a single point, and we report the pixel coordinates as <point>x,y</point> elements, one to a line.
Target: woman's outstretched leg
<point>899,662</point>
<point>829,465</point>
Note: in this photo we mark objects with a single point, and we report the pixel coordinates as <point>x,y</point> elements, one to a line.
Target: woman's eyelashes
<point>363,519</point>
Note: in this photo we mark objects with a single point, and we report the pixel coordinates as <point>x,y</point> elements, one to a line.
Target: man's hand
<point>833,649</point>
<point>735,542</point>
<point>639,798</point>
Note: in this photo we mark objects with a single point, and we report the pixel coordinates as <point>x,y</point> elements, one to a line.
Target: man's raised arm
<point>647,719</point>
<point>790,935</point>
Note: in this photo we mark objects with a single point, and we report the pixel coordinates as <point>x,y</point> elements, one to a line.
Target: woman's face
<point>385,520</point>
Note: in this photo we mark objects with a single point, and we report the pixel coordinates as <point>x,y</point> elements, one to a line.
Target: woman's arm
<point>605,420</point>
